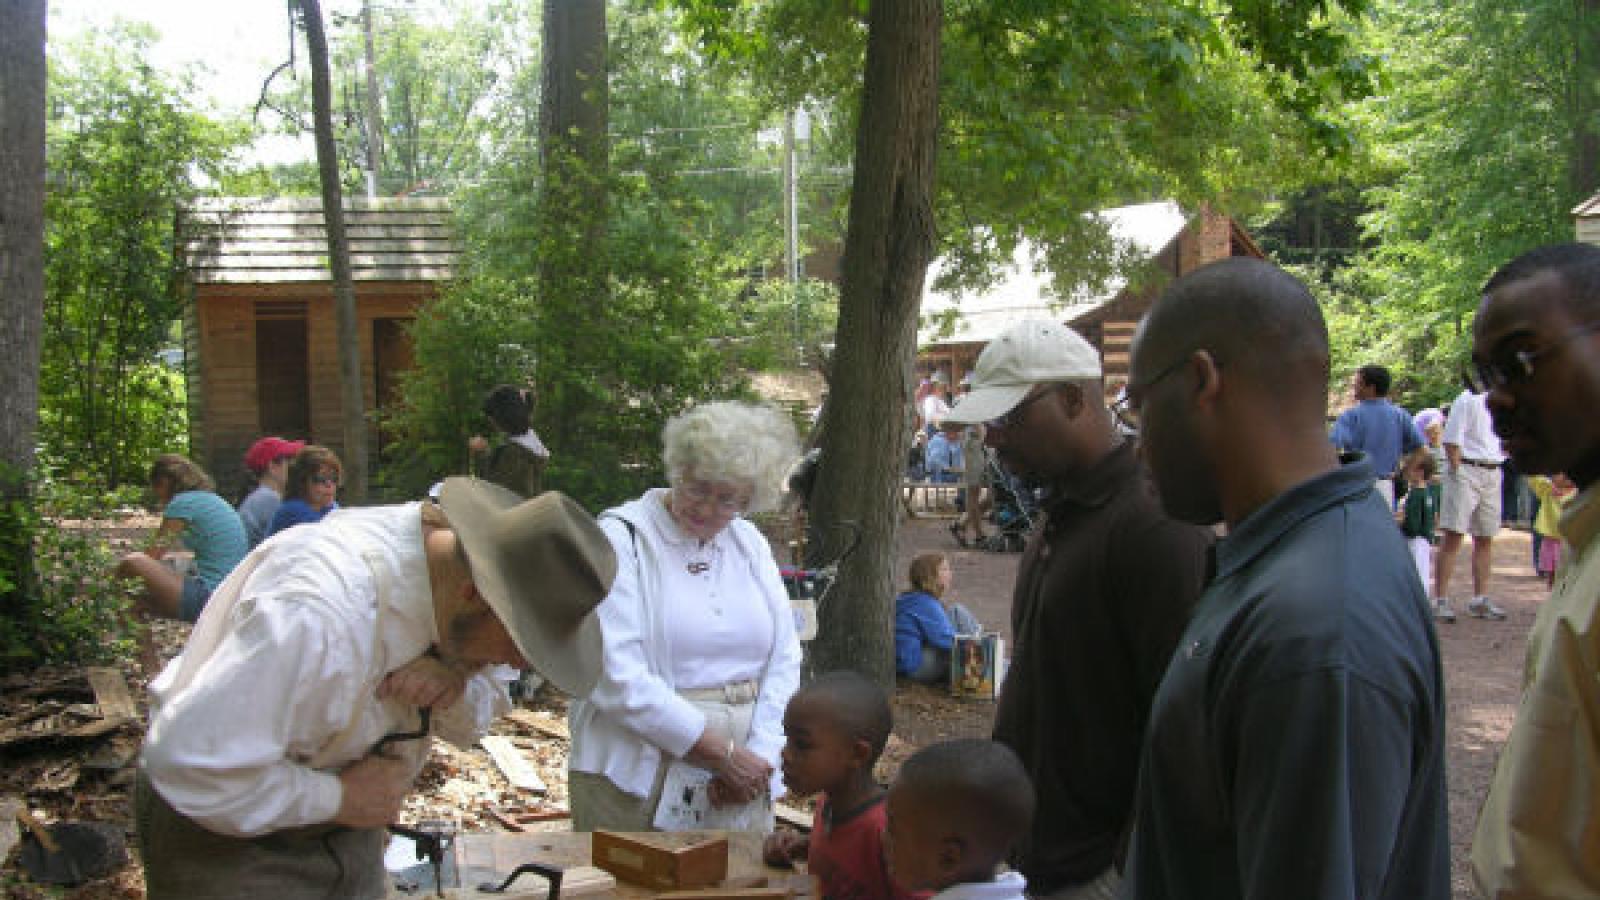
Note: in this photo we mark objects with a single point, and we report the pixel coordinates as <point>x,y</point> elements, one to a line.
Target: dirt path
<point>1482,664</point>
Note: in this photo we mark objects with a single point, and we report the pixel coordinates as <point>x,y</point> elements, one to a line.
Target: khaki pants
<point>597,802</point>
<point>183,861</point>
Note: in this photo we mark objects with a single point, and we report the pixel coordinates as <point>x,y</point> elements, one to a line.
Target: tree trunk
<point>1584,165</point>
<point>573,152</point>
<point>344,291</point>
<point>22,98</point>
<point>888,245</point>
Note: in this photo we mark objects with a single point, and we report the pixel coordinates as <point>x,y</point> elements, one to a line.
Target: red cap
<point>269,450</point>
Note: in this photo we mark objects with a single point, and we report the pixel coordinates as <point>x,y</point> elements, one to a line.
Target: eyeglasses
<point>1126,409</point>
<point>1014,418</point>
<point>698,492</point>
<point>325,480</point>
<point>1517,366</point>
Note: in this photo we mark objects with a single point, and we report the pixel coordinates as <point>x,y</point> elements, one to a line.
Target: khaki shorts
<point>1471,501</point>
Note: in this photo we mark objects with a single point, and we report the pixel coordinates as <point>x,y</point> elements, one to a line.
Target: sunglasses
<point>325,480</point>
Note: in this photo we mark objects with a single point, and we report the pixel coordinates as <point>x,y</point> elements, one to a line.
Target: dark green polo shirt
<point>1297,743</point>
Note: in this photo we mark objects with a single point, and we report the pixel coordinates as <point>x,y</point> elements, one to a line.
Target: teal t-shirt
<point>214,533</point>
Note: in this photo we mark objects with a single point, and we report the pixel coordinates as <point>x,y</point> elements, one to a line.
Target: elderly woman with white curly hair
<point>701,655</point>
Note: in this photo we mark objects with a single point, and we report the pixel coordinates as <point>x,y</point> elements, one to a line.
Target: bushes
<point>69,609</point>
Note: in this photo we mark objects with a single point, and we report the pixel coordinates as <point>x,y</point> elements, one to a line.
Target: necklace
<point>701,559</point>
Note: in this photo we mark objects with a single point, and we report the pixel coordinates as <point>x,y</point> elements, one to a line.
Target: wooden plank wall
<point>226,320</point>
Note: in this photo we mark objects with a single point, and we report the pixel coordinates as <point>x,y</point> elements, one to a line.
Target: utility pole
<point>791,216</point>
<point>374,104</point>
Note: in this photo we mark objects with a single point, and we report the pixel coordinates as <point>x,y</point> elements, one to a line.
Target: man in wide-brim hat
<point>266,772</point>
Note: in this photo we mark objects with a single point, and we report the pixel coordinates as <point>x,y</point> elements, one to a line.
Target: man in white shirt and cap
<point>266,770</point>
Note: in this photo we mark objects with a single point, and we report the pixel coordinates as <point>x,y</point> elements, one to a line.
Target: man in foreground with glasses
<point>1296,744</point>
<point>1104,589</point>
<point>1536,349</point>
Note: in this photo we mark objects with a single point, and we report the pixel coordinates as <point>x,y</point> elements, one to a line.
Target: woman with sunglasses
<point>309,492</point>
<point>700,649</point>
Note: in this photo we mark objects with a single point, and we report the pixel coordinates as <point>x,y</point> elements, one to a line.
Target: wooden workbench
<point>491,857</point>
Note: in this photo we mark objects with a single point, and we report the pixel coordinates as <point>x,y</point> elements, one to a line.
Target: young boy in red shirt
<point>836,728</point>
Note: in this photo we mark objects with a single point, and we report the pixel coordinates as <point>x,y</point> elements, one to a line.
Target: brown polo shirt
<point>1105,590</point>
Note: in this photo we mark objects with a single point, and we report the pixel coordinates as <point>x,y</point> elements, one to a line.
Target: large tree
<point>888,245</point>
<point>351,387</point>
<point>1050,114</point>
<point>22,96</point>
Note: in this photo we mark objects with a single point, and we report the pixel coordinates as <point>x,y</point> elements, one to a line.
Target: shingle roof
<point>251,240</point>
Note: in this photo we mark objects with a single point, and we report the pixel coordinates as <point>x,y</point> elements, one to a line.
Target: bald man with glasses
<point>1105,588</point>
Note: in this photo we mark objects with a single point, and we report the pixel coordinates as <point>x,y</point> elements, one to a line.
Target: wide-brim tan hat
<point>542,565</point>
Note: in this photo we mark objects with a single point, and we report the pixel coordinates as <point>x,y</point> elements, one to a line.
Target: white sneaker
<point>1443,612</point>
<point>1483,608</point>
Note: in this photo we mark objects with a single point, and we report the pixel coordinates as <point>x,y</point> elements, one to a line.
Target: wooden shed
<point>1174,244</point>
<point>1587,220</point>
<point>260,334</point>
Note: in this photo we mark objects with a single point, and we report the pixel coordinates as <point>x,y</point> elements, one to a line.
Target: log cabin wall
<point>265,358</point>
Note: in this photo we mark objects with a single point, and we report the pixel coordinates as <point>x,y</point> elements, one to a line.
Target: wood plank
<point>797,819</point>
<point>512,763</point>
<point>111,693</point>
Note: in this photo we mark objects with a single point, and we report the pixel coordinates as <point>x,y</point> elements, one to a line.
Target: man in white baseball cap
<point>1105,589</point>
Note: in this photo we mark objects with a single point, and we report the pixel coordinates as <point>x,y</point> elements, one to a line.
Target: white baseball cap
<point>1033,351</point>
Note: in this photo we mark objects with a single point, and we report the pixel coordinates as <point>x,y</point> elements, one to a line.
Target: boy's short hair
<point>980,791</point>
<point>924,573</point>
<point>1377,378</point>
<point>857,705</point>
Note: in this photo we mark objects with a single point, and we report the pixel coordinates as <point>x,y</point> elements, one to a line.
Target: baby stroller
<point>808,588</point>
<point>1012,512</point>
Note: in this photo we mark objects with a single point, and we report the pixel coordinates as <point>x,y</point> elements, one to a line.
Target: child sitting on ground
<point>953,815</point>
<point>836,727</point>
<point>1419,513</point>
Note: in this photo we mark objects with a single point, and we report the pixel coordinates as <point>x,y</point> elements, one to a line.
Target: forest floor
<point>67,781</point>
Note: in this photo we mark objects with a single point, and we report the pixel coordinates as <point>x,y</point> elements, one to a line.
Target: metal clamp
<point>552,874</point>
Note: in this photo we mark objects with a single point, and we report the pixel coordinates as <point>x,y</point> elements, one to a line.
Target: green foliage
<point>123,156</point>
<point>1052,112</point>
<point>1471,152</point>
<point>691,203</point>
<point>450,75</point>
<point>72,610</point>
<point>789,325</point>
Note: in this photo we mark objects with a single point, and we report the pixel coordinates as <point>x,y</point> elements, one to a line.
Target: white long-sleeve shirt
<point>276,690</point>
<point>668,629</point>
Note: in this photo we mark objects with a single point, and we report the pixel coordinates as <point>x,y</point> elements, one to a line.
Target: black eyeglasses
<point>1516,367</point>
<point>1014,418</point>
<point>1126,409</point>
<point>325,480</point>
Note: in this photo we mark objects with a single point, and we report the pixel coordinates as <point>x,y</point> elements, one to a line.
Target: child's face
<point>817,755</point>
<point>912,844</point>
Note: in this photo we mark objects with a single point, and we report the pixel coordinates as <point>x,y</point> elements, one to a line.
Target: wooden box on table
<point>668,861</point>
